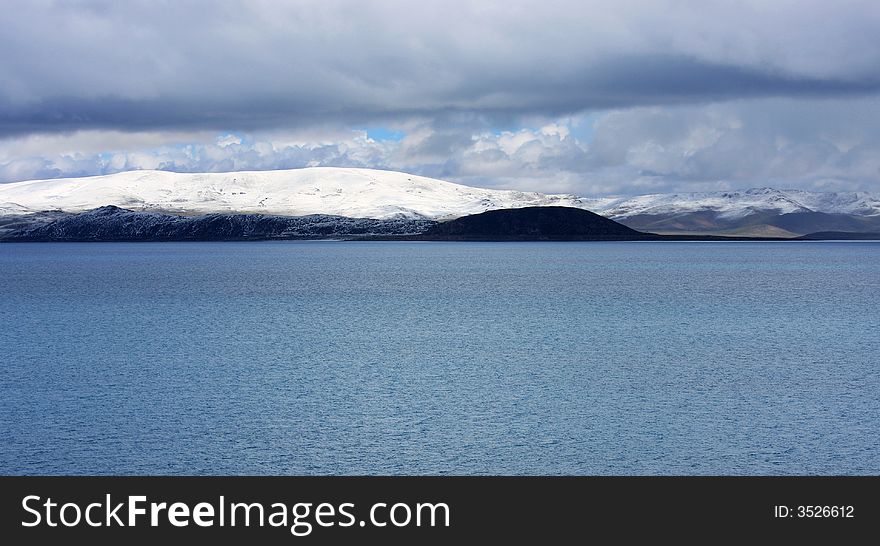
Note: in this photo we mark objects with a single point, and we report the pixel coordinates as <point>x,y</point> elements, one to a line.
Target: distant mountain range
<point>329,195</point>
<point>762,212</point>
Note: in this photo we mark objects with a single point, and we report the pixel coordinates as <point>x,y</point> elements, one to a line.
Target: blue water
<point>436,358</point>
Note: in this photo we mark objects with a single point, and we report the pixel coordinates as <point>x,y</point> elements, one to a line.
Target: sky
<point>586,97</point>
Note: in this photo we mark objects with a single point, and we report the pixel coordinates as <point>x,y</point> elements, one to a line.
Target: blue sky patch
<point>384,133</point>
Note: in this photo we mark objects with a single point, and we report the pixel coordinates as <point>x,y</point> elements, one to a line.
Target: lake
<point>440,358</point>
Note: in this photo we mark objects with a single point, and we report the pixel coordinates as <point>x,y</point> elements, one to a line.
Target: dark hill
<point>533,224</point>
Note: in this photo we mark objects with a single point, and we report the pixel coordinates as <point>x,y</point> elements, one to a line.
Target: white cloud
<point>832,144</point>
<point>818,144</point>
<point>228,140</point>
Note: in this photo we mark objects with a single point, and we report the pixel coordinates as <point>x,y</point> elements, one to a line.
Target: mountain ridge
<point>114,224</point>
<point>378,194</point>
<point>110,223</point>
<point>735,203</point>
<point>349,192</point>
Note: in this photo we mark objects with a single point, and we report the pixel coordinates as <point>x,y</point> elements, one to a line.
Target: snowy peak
<point>355,193</point>
<point>858,203</point>
<point>740,203</point>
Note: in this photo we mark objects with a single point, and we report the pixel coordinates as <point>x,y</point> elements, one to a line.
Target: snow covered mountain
<point>355,193</point>
<point>738,204</point>
<point>376,194</point>
<point>754,212</point>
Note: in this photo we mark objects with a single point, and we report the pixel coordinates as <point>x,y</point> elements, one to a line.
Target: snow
<point>12,209</point>
<point>369,193</point>
<point>859,203</point>
<point>356,193</point>
<point>738,204</point>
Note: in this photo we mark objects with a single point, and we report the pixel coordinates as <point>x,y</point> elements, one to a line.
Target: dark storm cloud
<point>235,65</point>
<point>584,96</point>
<point>650,80</point>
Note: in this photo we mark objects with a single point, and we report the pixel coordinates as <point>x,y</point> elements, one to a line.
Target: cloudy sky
<point>590,97</point>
